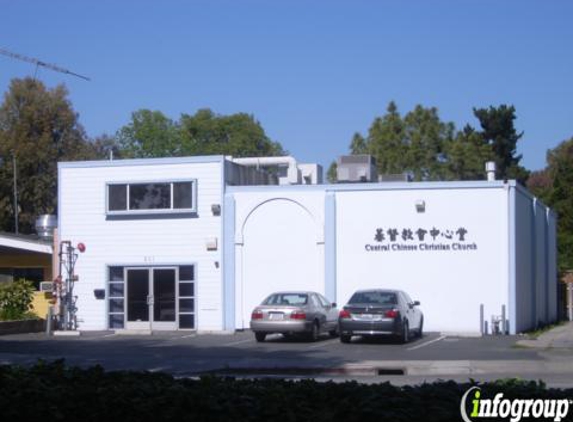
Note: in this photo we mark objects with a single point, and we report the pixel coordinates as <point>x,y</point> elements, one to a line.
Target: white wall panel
<point>279,246</point>
<point>451,282</point>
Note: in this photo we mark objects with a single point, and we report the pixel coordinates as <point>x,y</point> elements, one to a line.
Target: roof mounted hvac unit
<point>356,168</point>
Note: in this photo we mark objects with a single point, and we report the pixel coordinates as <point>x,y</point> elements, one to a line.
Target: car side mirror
<point>416,303</point>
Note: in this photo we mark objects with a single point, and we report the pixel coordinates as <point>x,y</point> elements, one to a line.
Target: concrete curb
<point>558,337</point>
<point>407,368</point>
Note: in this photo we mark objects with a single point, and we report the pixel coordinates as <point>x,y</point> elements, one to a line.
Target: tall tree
<point>467,155</point>
<point>386,142</point>
<point>331,173</point>
<point>239,135</point>
<point>427,138</point>
<point>38,127</point>
<point>152,134</point>
<point>358,145</point>
<point>499,132</point>
<point>149,134</point>
<point>554,186</point>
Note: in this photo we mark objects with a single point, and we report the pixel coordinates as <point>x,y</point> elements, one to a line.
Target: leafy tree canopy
<point>427,148</point>
<point>39,127</point>
<point>152,134</point>
<point>554,185</point>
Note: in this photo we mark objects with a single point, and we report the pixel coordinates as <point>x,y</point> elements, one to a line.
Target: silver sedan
<point>291,313</point>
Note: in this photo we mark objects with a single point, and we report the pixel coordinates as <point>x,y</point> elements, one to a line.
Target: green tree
<point>239,135</point>
<point>39,127</point>
<point>560,162</point>
<point>149,134</point>
<point>554,186</point>
<point>152,134</point>
<point>358,145</point>
<point>498,131</point>
<point>386,142</point>
<point>467,155</point>
<point>426,137</point>
<point>105,147</point>
<point>331,174</point>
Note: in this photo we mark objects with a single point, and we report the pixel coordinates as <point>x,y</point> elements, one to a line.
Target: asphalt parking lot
<point>190,354</point>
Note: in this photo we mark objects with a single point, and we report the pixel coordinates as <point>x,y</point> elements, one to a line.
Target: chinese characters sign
<point>421,239</point>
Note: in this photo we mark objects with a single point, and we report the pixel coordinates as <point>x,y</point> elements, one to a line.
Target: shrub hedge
<point>54,391</point>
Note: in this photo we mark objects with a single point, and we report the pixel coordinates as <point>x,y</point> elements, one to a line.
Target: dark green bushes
<point>56,392</point>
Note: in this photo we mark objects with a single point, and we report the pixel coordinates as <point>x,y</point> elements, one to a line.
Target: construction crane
<point>40,63</point>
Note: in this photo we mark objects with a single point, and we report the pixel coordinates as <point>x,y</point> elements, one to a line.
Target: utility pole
<point>15,192</point>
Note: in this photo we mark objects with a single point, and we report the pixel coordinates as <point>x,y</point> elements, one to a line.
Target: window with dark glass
<point>182,195</point>
<point>187,297</point>
<point>117,197</point>
<point>150,196</point>
<point>168,196</point>
<point>116,297</point>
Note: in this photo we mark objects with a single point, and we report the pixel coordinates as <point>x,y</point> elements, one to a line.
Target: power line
<point>41,63</point>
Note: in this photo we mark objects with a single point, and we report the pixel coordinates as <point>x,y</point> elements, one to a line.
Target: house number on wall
<point>148,259</point>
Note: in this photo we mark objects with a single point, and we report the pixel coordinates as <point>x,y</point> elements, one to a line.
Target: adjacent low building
<point>195,243</point>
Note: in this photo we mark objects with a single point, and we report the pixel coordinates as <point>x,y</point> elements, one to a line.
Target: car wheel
<point>315,330</point>
<point>345,338</point>
<point>334,332</point>
<point>405,333</point>
<point>260,337</point>
<point>421,329</point>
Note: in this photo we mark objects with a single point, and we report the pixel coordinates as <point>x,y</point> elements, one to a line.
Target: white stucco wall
<point>279,245</point>
<point>451,284</point>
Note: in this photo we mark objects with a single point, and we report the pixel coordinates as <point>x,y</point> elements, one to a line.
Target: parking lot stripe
<point>188,336</point>
<point>238,342</point>
<point>419,346</point>
<point>323,343</point>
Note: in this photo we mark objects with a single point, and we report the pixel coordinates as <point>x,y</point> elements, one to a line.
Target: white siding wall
<point>145,242</point>
<point>451,284</point>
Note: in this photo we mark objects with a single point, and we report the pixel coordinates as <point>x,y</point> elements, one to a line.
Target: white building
<point>196,243</point>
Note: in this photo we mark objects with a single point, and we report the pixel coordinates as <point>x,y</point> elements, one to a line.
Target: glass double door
<point>151,298</point>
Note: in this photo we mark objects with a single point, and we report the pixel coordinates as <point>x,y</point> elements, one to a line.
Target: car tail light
<point>391,313</point>
<point>298,314</point>
<point>257,315</point>
<point>344,314</point>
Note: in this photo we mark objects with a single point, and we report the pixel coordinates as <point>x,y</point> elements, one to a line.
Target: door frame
<point>151,324</point>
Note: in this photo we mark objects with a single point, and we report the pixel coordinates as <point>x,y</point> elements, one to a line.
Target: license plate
<point>276,316</point>
<point>367,317</point>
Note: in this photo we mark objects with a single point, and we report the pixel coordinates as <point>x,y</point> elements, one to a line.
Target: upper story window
<point>151,197</point>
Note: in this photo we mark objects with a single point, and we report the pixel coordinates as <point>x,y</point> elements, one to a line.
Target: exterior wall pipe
<point>481,321</point>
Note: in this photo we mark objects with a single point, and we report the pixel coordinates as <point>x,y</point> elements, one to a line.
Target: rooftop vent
<point>398,177</point>
<point>356,168</point>
<point>45,225</point>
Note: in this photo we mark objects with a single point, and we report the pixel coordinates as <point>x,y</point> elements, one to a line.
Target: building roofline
<point>380,186</point>
<point>130,162</point>
<point>26,242</point>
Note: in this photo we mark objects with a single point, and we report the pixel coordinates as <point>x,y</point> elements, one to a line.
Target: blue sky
<point>312,72</point>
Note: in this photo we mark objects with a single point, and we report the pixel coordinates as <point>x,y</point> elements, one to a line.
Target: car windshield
<point>373,298</point>
<point>288,299</point>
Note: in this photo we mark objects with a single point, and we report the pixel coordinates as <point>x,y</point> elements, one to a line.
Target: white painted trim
<point>26,245</point>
